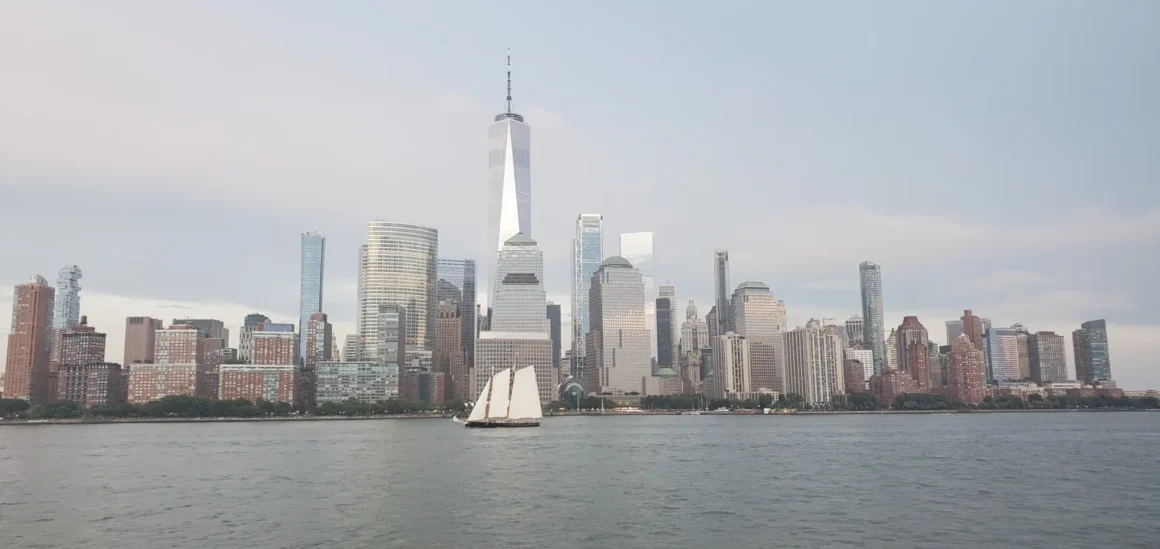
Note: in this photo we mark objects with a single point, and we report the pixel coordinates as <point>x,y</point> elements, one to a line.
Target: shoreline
<point>97,421</point>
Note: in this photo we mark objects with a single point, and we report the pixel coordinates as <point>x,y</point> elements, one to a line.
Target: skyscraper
<point>310,294</point>
<point>1092,360</point>
<point>912,351</point>
<point>1048,357</point>
<point>509,176</point>
<point>694,331</point>
<point>1021,335</point>
<point>399,267</point>
<point>669,291</point>
<point>1001,348</point>
<point>139,339</point>
<point>967,372</point>
<point>854,328</point>
<point>67,310</point>
<point>733,377</point>
<point>587,254</point>
<point>456,284</point>
<point>721,290</point>
<point>666,357</point>
<point>26,366</point>
<point>519,302</point>
<point>761,319</point>
<point>973,328</point>
<point>519,328</point>
<point>890,351</point>
<point>82,344</point>
<point>617,356</point>
<point>637,248</point>
<point>873,322</point>
<point>864,356</point>
<point>319,338</point>
<point>450,356</point>
<point>554,330</point>
<point>814,363</point>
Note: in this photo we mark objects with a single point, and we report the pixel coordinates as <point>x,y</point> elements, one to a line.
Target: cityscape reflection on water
<point>946,480</point>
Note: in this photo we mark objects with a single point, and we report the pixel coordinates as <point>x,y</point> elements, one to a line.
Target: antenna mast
<point>509,80</point>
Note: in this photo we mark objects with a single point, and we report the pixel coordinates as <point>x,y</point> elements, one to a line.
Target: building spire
<point>509,80</point>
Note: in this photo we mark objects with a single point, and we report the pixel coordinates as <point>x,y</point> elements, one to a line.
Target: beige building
<point>139,339</point>
<point>814,363</point>
<point>733,375</point>
<point>760,318</point>
<point>495,351</point>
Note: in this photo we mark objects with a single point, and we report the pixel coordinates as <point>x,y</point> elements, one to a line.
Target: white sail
<point>498,406</point>
<point>525,396</point>
<point>479,411</point>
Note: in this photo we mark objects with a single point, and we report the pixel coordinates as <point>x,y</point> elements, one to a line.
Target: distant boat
<point>508,402</point>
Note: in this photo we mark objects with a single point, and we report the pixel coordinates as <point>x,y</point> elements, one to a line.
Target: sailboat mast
<point>487,410</point>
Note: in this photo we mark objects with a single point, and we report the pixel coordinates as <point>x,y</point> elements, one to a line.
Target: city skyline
<point>1006,288</point>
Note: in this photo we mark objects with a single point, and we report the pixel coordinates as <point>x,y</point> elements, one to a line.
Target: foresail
<point>499,394</point>
<point>525,396</point>
<point>479,411</point>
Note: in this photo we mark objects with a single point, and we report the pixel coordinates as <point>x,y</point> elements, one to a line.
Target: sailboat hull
<point>502,423</point>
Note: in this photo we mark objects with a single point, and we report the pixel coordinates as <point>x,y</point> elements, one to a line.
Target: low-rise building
<point>273,383</point>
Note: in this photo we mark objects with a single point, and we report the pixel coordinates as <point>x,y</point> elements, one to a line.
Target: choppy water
<point>998,480</point>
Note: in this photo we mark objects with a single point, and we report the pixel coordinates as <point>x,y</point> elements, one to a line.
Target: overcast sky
<point>998,156</point>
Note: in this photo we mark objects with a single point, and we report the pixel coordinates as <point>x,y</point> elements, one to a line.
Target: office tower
<point>82,344</point>
<point>936,368</point>
<point>209,328</point>
<point>973,328</point>
<point>666,357</point>
<point>733,377</point>
<point>29,339</point>
<point>912,351</point>
<point>509,176</point>
<point>455,283</point>
<point>617,354</point>
<point>450,352</point>
<point>637,249</point>
<point>1021,335</point>
<point>1092,360</point>
<point>873,322</point>
<point>250,324</point>
<point>1048,357</point>
<point>319,340</point>
<point>587,254</point>
<point>519,302</point>
<point>669,291</point>
<point>864,356</point>
<point>399,268</point>
<point>694,331</point>
<point>1001,351</point>
<point>275,348</point>
<point>712,326</point>
<point>313,261</point>
<point>350,348</point>
<point>761,319</point>
<point>391,339</point>
<point>269,382</point>
<point>967,372</point>
<point>854,328</point>
<point>139,339</point>
<point>178,367</point>
<point>814,363</point>
<point>519,333</point>
<point>721,290</point>
<point>554,329</point>
<point>366,382</point>
<point>890,360</point>
<point>955,327</point>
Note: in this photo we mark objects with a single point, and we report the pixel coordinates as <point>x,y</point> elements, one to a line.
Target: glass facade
<point>587,254</point>
<point>1001,346</point>
<point>1095,346</point>
<point>509,180</point>
<point>398,267</point>
<point>721,291</point>
<point>519,302</point>
<point>456,284</point>
<point>67,304</point>
<point>618,355</point>
<point>310,287</point>
<point>499,350</point>
<point>873,325</point>
<point>637,248</point>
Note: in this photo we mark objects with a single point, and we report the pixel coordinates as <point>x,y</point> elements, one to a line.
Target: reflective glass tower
<point>721,291</point>
<point>587,254</point>
<point>617,356</point>
<point>520,302</point>
<point>509,176</point>
<point>456,284</point>
<point>67,307</point>
<point>310,288</point>
<point>398,266</point>
<point>637,248</point>
<point>873,326</point>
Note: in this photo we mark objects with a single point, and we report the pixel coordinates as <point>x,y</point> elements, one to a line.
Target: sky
<point>994,156</point>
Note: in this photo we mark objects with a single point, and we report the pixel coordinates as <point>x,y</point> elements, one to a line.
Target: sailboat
<point>508,401</point>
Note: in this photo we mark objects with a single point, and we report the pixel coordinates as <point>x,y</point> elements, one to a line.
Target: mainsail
<point>498,404</point>
<point>525,399</point>
<point>479,411</point>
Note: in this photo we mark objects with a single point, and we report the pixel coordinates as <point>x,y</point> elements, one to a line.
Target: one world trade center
<point>509,178</point>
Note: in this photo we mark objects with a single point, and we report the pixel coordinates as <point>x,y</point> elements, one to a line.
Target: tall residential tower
<point>310,294</point>
<point>873,323</point>
<point>587,254</point>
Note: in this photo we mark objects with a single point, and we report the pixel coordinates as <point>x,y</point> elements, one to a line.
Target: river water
<point>944,480</point>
